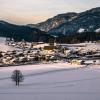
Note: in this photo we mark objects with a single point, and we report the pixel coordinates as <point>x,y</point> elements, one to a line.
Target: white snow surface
<point>52,82</point>
<point>3,46</point>
<point>81,30</point>
<point>97,30</point>
<point>83,47</point>
<point>90,47</point>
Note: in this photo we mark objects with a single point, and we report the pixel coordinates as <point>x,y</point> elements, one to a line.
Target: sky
<point>35,11</point>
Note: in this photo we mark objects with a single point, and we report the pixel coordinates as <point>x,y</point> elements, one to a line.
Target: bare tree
<point>17,77</point>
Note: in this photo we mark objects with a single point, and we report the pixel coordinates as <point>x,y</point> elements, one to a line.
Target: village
<point>39,52</point>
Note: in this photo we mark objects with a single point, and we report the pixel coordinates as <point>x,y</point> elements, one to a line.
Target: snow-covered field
<point>52,82</point>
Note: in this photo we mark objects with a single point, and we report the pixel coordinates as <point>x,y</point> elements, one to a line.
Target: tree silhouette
<point>17,77</point>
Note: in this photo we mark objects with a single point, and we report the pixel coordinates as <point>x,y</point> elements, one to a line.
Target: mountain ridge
<point>71,22</point>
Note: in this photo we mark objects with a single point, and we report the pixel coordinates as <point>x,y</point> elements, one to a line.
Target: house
<point>49,50</point>
<point>78,62</point>
<point>49,47</point>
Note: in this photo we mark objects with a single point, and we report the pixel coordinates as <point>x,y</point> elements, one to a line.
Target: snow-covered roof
<point>97,30</point>
<point>81,30</point>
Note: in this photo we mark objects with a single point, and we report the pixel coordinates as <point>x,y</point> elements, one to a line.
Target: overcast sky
<point>34,11</point>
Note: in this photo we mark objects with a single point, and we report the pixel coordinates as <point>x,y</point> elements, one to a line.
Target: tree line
<point>79,37</point>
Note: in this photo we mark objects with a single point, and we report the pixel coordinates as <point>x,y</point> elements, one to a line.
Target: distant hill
<point>21,32</point>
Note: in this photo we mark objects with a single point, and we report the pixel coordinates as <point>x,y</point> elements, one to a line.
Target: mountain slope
<point>21,32</point>
<point>88,21</point>
<point>54,22</point>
